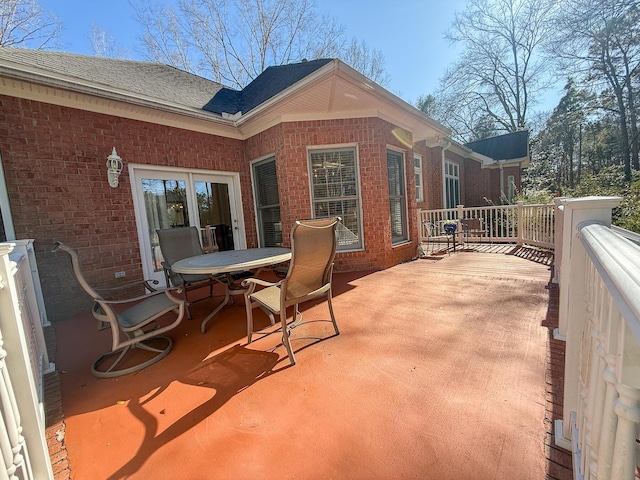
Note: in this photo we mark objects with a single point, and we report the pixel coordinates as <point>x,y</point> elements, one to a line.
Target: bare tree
<point>368,62</point>
<point>501,72</point>
<point>24,23</point>
<point>104,44</point>
<point>233,41</point>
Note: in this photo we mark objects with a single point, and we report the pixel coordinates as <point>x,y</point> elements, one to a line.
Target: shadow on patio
<point>435,375</point>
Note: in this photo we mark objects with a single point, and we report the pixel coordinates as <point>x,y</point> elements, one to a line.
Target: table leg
<point>227,297</point>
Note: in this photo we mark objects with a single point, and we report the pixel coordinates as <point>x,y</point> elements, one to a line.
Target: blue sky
<point>408,32</point>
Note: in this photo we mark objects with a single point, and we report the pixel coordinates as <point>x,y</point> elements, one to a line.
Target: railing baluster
<point>627,408</point>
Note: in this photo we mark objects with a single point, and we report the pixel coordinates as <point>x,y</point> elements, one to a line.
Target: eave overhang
<point>49,87</point>
<point>337,91</point>
<point>334,91</point>
<point>466,152</point>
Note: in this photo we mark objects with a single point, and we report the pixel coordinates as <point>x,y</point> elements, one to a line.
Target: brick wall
<point>289,142</point>
<point>54,162</point>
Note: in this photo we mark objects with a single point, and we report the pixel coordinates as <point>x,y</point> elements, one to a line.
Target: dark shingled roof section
<point>154,80</point>
<point>504,147</point>
<point>266,85</point>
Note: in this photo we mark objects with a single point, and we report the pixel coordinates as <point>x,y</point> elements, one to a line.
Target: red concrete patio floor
<point>442,370</point>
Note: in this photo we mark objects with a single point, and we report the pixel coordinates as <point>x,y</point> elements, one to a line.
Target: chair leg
<point>285,335</point>
<point>186,302</point>
<point>249,309</point>
<point>113,369</point>
<point>333,318</point>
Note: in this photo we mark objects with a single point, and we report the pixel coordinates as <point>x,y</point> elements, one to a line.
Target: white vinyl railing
<point>23,361</point>
<point>529,224</point>
<point>599,316</point>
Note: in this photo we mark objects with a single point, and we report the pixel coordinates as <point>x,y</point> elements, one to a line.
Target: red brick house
<point>305,140</point>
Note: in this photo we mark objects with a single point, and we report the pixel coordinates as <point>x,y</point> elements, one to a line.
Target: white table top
<point>232,260</point>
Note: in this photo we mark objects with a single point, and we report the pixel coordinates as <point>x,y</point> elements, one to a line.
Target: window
<point>397,196</point>
<point>335,191</point>
<point>265,184</point>
<point>511,187</point>
<point>417,170</point>
<point>451,184</point>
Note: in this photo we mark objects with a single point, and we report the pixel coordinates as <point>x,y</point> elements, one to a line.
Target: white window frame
<point>343,232</point>
<point>417,171</point>
<point>404,237</point>
<point>451,178</point>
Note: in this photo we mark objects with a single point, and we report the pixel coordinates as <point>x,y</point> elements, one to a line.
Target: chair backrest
<point>429,228</point>
<point>75,263</point>
<point>179,243</point>
<point>471,224</point>
<point>313,248</point>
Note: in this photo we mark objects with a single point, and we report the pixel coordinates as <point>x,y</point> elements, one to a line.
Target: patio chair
<point>136,326</point>
<point>472,227</point>
<point>313,248</point>
<point>436,236</point>
<point>179,243</point>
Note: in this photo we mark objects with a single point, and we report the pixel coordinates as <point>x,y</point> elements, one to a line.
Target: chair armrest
<point>257,281</point>
<point>146,282</point>
<point>251,283</point>
<point>166,291</point>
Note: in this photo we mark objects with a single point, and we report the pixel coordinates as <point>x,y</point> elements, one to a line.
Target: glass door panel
<point>214,210</point>
<point>166,206</point>
<point>180,198</point>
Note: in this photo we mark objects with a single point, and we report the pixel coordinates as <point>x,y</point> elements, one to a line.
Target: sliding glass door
<point>183,198</point>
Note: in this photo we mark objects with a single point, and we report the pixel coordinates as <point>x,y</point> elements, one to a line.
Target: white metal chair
<point>313,248</point>
<point>136,326</point>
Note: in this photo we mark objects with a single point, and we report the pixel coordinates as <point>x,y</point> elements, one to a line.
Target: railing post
<point>460,216</point>
<point>558,223</point>
<point>572,316</point>
<point>520,217</point>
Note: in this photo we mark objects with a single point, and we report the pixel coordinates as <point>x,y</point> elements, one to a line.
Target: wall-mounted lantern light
<point>114,167</point>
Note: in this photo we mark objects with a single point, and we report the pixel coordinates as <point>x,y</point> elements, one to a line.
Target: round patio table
<point>229,261</point>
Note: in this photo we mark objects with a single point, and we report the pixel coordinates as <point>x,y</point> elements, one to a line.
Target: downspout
<point>501,182</point>
<point>444,178</point>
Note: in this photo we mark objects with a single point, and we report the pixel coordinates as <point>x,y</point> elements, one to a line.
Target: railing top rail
<point>618,262</point>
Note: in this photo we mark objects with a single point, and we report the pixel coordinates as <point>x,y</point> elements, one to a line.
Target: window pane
<point>335,192</point>
<point>267,203</point>
<point>214,209</point>
<point>397,200</point>
<point>165,202</point>
<point>452,185</point>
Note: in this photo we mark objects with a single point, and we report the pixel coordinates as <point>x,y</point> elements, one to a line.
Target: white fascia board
<point>338,68</point>
<point>54,80</point>
<point>466,152</point>
<point>365,83</point>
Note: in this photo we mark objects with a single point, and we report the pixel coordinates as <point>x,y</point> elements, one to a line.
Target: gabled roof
<point>508,147</point>
<point>268,84</point>
<point>150,79</point>
<point>305,91</point>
